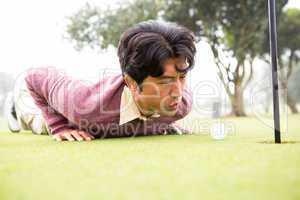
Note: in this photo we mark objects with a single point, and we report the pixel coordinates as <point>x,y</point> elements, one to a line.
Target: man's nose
<point>176,90</point>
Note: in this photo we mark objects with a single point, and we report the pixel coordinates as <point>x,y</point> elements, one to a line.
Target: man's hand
<point>176,129</point>
<point>73,135</point>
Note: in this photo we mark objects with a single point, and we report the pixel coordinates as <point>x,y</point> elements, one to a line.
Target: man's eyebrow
<point>184,72</point>
<point>166,76</point>
<point>171,77</point>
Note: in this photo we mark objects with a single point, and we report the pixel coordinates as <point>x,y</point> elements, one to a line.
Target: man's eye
<point>182,77</point>
<point>165,81</point>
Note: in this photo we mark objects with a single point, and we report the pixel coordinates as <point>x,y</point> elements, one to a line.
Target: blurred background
<point>232,73</point>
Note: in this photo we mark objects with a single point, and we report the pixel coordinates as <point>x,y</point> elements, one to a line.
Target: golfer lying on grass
<point>146,99</point>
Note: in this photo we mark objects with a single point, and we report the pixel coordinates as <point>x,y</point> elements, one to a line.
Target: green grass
<point>157,167</point>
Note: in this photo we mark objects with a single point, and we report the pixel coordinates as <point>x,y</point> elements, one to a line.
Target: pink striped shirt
<point>69,103</point>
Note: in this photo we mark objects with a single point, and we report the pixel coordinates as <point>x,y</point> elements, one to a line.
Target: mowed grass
<point>246,165</point>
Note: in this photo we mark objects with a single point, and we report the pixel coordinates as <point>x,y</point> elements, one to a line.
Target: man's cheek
<point>163,102</point>
<point>164,91</point>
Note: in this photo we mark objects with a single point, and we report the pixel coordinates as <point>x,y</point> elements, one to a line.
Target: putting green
<point>243,166</point>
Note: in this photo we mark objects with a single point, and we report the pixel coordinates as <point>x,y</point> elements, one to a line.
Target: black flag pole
<point>273,53</point>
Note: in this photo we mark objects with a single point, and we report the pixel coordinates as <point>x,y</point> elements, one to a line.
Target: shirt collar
<point>129,110</point>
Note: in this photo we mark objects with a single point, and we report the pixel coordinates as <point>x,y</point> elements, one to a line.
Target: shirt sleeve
<point>54,93</point>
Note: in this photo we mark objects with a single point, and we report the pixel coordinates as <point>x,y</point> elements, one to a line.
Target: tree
<point>289,45</point>
<point>233,28</point>
<point>94,27</point>
<point>293,85</point>
<point>288,50</point>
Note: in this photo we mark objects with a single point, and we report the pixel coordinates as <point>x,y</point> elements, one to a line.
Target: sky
<point>32,36</point>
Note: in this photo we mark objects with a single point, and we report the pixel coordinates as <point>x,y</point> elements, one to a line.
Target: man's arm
<point>54,93</point>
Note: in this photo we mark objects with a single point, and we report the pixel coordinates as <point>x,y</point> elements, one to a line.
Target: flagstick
<point>273,53</point>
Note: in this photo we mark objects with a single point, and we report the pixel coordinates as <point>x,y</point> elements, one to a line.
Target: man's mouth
<point>173,106</point>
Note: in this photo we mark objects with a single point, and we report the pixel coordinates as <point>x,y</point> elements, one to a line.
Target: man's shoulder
<point>109,90</point>
<point>110,79</point>
<point>110,83</point>
<point>101,100</point>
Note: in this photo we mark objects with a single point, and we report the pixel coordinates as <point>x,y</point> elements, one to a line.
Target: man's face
<point>163,94</point>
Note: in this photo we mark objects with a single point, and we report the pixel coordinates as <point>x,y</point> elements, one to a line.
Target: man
<point>146,99</point>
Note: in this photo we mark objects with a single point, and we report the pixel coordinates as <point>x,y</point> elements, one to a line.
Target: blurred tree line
<point>6,85</point>
<point>236,30</point>
<point>289,55</point>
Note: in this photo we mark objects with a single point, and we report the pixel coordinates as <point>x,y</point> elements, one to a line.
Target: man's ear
<point>131,83</point>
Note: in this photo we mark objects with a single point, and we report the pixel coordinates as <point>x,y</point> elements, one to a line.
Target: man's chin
<point>169,113</point>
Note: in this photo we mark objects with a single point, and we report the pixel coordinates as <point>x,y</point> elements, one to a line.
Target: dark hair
<point>144,47</point>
